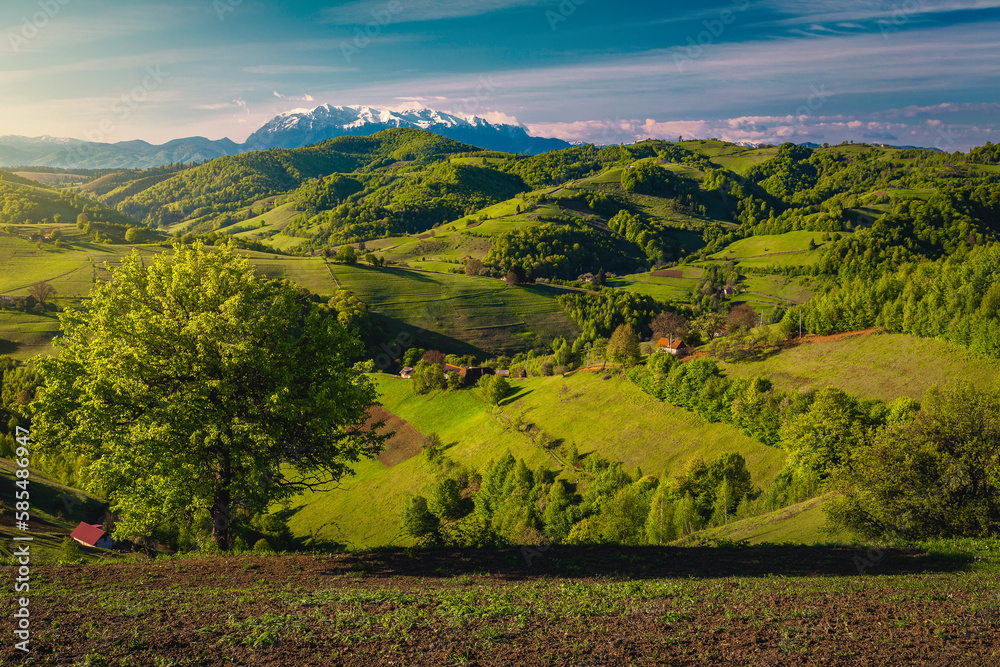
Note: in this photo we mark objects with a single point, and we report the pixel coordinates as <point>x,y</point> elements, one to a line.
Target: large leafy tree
<point>935,476</point>
<point>193,385</point>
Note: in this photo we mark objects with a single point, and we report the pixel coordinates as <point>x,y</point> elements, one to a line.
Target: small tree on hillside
<point>474,267</point>
<point>347,255</point>
<point>495,388</point>
<point>42,291</point>
<point>742,317</point>
<point>433,357</point>
<point>669,325</point>
<point>418,521</point>
<point>623,348</point>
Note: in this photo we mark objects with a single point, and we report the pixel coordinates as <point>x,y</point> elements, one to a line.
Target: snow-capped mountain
<point>294,129</point>
<point>302,127</point>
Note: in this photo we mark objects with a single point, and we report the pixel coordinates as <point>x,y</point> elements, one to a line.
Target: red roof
<point>673,344</point>
<point>88,534</point>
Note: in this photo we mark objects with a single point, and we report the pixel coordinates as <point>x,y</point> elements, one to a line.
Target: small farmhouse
<point>92,535</point>
<point>674,346</point>
<point>406,373</point>
<point>470,374</point>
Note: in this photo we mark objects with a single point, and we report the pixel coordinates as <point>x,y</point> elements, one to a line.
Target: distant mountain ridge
<point>293,129</point>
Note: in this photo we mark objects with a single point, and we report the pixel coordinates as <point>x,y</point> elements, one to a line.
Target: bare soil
<point>405,441</point>
<point>513,607</point>
<point>668,273</point>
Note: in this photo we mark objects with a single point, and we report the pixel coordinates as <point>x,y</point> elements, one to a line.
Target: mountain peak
<point>302,127</point>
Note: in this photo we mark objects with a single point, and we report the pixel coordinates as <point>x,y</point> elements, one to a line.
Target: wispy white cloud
<point>275,70</point>
<point>930,133</point>
<point>802,12</point>
<point>66,28</point>
<point>406,11</point>
<point>302,98</point>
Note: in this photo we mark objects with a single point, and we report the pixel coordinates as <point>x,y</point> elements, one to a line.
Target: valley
<point>828,299</point>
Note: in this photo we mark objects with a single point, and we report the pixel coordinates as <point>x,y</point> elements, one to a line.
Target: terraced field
<point>484,313</point>
<point>23,335</point>
<point>790,249</point>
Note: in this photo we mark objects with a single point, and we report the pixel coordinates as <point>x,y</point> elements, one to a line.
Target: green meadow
<point>484,313</point>
<point>660,287</point>
<point>884,366</point>
<point>611,417</point>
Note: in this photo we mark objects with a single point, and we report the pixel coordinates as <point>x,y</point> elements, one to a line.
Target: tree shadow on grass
<point>648,562</point>
<point>518,395</point>
<point>412,274</point>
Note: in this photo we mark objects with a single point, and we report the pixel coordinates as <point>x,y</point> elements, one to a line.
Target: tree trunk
<point>222,513</point>
<point>222,518</point>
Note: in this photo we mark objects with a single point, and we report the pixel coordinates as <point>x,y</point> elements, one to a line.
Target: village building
<point>92,535</point>
<point>674,346</point>
<point>470,374</point>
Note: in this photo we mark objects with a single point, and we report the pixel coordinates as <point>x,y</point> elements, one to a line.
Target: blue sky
<point>920,72</point>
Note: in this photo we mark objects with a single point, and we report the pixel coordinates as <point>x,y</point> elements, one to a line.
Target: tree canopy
<point>935,476</point>
<point>194,386</point>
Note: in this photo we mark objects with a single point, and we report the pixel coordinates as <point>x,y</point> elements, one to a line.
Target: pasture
<point>632,427</point>
<point>884,366</point>
<point>662,288</point>
<point>484,313</point>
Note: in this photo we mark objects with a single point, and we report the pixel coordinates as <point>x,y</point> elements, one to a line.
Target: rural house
<point>92,535</point>
<point>674,346</point>
<point>470,374</point>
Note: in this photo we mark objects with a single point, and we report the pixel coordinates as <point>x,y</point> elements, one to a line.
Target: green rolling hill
<point>849,236</point>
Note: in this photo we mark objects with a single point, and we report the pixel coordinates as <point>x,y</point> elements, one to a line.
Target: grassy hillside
<point>480,312</point>
<point>664,285</point>
<point>789,249</point>
<point>232,183</point>
<point>883,366</point>
<point>610,417</point>
<point>73,267</point>
<point>27,202</point>
<point>801,523</point>
<point>732,157</point>
<point>23,335</point>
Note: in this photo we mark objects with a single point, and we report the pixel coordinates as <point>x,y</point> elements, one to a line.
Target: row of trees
<point>817,428</point>
<point>956,298</point>
<point>515,504</point>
